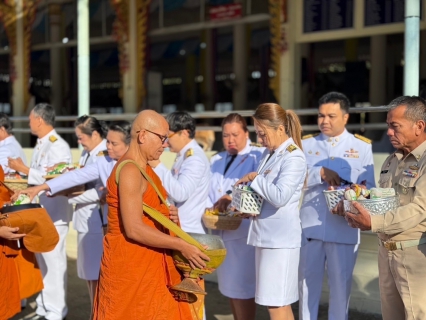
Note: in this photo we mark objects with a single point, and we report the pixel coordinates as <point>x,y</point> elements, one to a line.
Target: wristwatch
<point>229,193</point>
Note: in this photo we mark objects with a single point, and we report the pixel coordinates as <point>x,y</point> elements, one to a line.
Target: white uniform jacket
<point>246,161</point>
<point>352,159</point>
<point>187,184</point>
<point>10,147</point>
<point>279,183</point>
<point>86,216</point>
<point>50,150</point>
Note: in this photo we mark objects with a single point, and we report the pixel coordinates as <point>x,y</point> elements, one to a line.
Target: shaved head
<point>148,119</point>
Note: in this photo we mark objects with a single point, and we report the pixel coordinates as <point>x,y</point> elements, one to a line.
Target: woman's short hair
<point>5,123</point>
<point>181,120</point>
<point>89,124</point>
<point>235,118</point>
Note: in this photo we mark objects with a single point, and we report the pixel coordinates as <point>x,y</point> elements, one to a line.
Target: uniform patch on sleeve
<point>360,137</point>
<point>291,148</point>
<point>52,138</point>
<point>307,136</point>
<point>103,153</point>
<point>255,144</point>
<point>189,152</point>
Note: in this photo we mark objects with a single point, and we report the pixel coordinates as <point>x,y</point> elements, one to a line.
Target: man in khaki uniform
<point>402,232</point>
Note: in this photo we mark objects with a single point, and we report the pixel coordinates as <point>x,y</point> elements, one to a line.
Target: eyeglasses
<point>171,135</point>
<point>163,139</point>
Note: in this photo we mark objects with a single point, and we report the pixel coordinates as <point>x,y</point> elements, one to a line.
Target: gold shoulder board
<point>102,153</point>
<point>255,144</point>
<point>310,136</point>
<point>291,148</point>
<point>52,138</point>
<point>189,153</point>
<point>360,137</point>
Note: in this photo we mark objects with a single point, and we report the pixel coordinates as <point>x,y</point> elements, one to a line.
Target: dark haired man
<point>401,231</point>
<point>334,157</point>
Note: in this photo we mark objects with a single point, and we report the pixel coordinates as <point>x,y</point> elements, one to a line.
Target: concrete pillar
<point>83,53</point>
<point>20,84</point>
<point>239,97</point>
<point>378,53</point>
<point>130,84</point>
<point>290,66</point>
<point>56,65</point>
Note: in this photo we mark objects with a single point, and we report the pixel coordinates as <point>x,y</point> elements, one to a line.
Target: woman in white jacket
<point>236,275</point>
<point>276,233</point>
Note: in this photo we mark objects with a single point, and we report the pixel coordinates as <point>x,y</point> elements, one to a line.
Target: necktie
<point>85,160</point>
<point>229,163</point>
<point>269,157</point>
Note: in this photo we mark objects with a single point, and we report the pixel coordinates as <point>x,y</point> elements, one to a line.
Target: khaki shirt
<point>408,177</point>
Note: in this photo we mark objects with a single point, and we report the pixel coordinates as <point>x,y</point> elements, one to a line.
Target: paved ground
<point>217,306</point>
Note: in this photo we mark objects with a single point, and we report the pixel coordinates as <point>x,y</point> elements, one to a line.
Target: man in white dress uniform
<point>187,184</point>
<point>332,156</point>
<point>49,150</point>
<point>9,146</point>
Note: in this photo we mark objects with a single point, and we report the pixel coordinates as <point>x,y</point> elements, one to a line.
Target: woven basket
<point>374,206</point>
<point>246,201</point>
<point>216,222</point>
<point>16,185</point>
<point>332,197</point>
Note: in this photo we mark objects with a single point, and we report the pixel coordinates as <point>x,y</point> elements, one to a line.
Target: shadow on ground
<point>217,306</point>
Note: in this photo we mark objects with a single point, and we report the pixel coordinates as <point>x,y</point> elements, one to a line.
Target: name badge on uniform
<point>267,171</point>
<point>410,173</point>
<point>384,171</point>
<point>414,167</point>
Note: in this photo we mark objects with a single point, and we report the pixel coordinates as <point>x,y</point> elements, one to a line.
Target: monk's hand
<point>10,233</point>
<point>102,192</point>
<point>18,165</point>
<point>174,214</point>
<point>195,257</point>
<point>360,220</point>
<point>330,176</point>
<point>223,203</point>
<point>339,209</point>
<point>249,177</point>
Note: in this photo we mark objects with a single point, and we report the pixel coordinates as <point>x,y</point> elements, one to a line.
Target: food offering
<point>22,199</point>
<point>16,181</point>
<point>60,169</point>
<point>377,201</point>
<point>215,220</point>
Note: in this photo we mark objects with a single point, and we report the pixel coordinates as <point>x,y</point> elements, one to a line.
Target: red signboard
<point>226,12</point>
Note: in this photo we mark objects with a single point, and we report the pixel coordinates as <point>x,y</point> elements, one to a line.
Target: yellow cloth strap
<point>155,214</point>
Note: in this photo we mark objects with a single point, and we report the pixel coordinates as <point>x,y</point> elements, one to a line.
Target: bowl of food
<point>215,220</point>
<point>59,169</point>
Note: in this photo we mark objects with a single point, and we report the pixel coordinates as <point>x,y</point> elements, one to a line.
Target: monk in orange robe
<point>10,302</point>
<point>137,269</point>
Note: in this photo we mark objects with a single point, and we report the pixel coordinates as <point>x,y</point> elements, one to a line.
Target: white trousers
<point>340,261</point>
<point>51,302</point>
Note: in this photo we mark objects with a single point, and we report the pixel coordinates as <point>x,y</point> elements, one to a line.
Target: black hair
<point>180,120</point>
<point>46,112</point>
<point>123,127</point>
<point>89,124</point>
<point>335,97</point>
<point>5,123</point>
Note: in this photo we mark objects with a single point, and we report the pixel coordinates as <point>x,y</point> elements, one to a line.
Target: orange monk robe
<point>10,302</point>
<point>134,278</point>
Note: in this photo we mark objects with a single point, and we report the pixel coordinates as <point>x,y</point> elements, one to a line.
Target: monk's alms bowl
<point>216,252</point>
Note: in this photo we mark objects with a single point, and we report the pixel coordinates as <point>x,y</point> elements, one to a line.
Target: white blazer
<point>50,150</point>
<point>10,147</point>
<point>280,182</point>
<point>246,161</point>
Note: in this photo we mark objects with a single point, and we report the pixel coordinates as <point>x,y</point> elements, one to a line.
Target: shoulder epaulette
<point>360,137</point>
<point>310,136</point>
<point>291,148</point>
<point>255,144</point>
<point>52,138</point>
<point>102,153</point>
<point>189,152</point>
